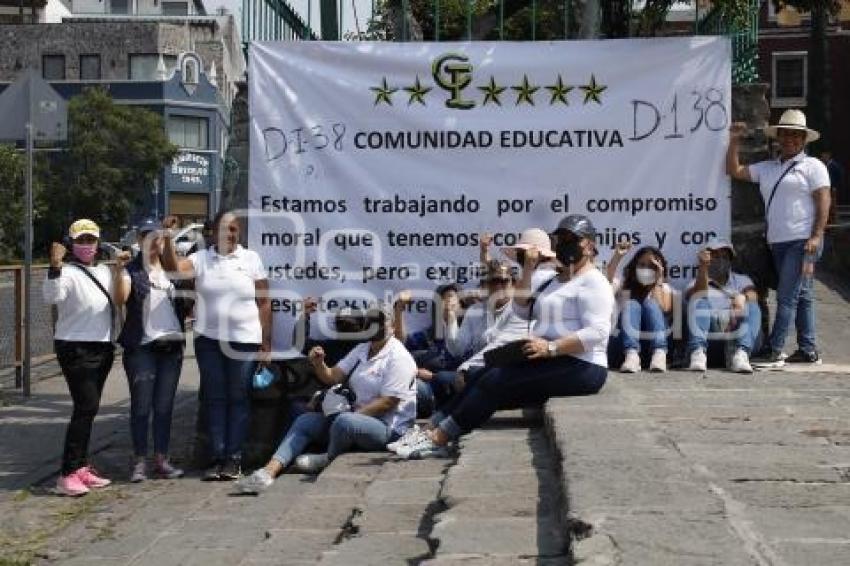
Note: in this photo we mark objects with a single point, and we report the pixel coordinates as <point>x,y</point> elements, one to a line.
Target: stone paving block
<point>507,505</point>
<point>814,553</point>
<point>406,518</point>
<point>361,465</point>
<point>411,469</point>
<point>292,545</point>
<point>484,560</point>
<point>823,523</point>
<point>93,561</point>
<point>318,513</point>
<point>370,550</point>
<point>503,536</point>
<point>123,545</point>
<point>340,486</point>
<point>525,484</point>
<point>215,557</point>
<point>417,490</point>
<point>791,495</point>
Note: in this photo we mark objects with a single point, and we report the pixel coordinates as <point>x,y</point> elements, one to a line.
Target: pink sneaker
<point>90,479</point>
<point>71,485</point>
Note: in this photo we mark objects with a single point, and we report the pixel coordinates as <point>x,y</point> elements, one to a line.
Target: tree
<point>12,197</point>
<point>818,103</point>
<point>114,153</point>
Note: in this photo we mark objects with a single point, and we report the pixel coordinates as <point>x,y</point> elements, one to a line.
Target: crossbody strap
<point>773,194</point>
<point>345,381</point>
<point>99,285</point>
<point>533,300</point>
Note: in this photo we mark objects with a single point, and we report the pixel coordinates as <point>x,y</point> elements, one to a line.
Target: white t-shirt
<point>720,296</point>
<point>583,306</point>
<point>159,320</point>
<point>83,309</point>
<point>225,304</point>
<point>792,213</point>
<point>390,373</point>
<point>483,330</point>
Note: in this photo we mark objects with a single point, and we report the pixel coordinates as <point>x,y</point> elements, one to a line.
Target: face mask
<point>85,252</point>
<point>718,269</point>
<point>569,252</point>
<point>645,275</point>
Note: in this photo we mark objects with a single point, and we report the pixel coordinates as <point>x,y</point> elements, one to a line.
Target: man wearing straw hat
<point>796,192</point>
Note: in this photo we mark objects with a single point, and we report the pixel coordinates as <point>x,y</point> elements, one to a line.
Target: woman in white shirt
<point>153,342</point>
<point>82,293</point>
<point>572,321</point>
<point>382,375</point>
<point>233,322</point>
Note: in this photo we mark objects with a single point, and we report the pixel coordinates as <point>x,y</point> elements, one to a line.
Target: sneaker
<point>164,470</point>
<point>139,472</point>
<point>213,473</point>
<point>429,449</point>
<point>769,360</point>
<point>801,357</point>
<point>257,482</point>
<point>699,362</point>
<point>232,469</point>
<point>311,463</point>
<point>409,437</point>
<point>658,364</point>
<point>91,479</point>
<point>71,485</point>
<point>422,442</point>
<point>741,362</point>
<point>632,362</point>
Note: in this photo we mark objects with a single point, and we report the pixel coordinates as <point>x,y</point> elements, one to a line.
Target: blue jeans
<point>153,371</point>
<point>225,392</point>
<point>643,323</point>
<point>526,383</point>
<point>341,433</point>
<point>794,297</point>
<point>703,320</point>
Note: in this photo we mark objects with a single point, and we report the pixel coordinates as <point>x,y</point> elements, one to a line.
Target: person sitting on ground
<point>153,343</point>
<point>381,373</point>
<point>428,346</point>
<point>720,300</point>
<point>646,302</point>
<point>568,356</point>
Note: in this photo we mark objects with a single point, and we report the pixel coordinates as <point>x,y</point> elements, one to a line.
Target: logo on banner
<point>454,75</point>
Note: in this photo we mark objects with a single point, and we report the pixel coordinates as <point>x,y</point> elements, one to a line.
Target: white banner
<point>374,166</point>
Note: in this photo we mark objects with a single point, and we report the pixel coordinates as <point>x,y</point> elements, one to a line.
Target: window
<point>89,67</point>
<point>190,71</point>
<point>53,67</point>
<point>143,66</point>
<point>790,78</point>
<point>175,8</point>
<point>119,6</point>
<point>188,131</point>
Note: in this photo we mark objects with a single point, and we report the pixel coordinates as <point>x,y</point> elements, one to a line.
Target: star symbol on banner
<point>383,93</point>
<point>559,92</point>
<point>525,92</point>
<point>417,92</point>
<point>492,91</point>
<point>593,91</point>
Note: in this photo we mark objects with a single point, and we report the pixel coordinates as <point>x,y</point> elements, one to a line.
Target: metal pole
<point>28,265</point>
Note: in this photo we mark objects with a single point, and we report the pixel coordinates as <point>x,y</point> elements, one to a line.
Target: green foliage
<point>12,180</point>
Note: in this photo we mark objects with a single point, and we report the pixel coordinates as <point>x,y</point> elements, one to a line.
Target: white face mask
<point>645,276</point>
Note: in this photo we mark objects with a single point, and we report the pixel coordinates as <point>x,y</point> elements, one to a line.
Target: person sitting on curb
<point>567,357</point>
<point>646,302</point>
<point>382,374</point>
<point>720,300</point>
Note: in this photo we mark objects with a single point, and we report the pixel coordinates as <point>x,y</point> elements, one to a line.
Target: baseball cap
<point>577,224</point>
<point>148,225</point>
<point>716,243</point>
<point>82,227</point>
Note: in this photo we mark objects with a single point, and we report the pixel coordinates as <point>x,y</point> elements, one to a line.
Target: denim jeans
<point>225,392</point>
<point>341,433</point>
<point>85,366</point>
<point>703,320</point>
<point>643,323</point>
<point>529,382</point>
<point>153,371</point>
<point>794,297</point>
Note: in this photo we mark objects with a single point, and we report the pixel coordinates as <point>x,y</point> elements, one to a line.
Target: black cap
<point>577,224</point>
<point>148,225</point>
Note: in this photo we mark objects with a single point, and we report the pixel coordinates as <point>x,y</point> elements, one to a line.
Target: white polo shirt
<point>389,373</point>
<point>225,305</point>
<point>792,213</point>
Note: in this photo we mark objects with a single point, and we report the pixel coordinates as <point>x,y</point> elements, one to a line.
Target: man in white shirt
<point>796,193</point>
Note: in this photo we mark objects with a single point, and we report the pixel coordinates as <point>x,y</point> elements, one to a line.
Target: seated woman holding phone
<point>568,356</point>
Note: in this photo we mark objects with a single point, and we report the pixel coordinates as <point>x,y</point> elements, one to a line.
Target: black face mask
<point>569,252</point>
<point>718,269</point>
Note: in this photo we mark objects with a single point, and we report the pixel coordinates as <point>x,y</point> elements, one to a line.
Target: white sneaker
<point>257,482</point>
<point>407,438</point>
<point>659,361</point>
<point>428,449</point>
<point>632,362</point>
<point>421,442</point>
<point>741,362</point>
<point>699,362</point>
<point>311,463</point>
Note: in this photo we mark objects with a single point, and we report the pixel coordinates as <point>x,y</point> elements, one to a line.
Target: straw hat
<point>793,119</point>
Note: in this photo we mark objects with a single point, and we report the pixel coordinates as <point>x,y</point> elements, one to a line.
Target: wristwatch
<point>552,347</point>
